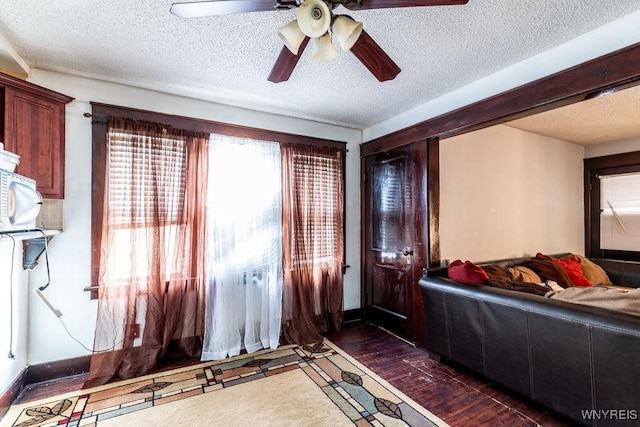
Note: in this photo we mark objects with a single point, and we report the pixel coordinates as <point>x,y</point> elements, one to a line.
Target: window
<point>317,185</point>
<point>119,164</point>
<point>145,191</point>
<point>620,211</point>
<point>612,206</point>
<point>136,164</point>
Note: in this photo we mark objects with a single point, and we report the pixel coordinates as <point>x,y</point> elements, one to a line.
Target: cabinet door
<point>34,129</point>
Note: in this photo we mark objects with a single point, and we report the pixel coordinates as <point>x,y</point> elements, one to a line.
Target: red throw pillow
<point>574,270</point>
<point>467,272</point>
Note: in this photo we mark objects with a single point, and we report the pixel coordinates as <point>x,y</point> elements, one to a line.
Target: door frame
<point>425,188</point>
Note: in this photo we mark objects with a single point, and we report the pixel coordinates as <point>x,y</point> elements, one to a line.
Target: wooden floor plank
<point>453,394</point>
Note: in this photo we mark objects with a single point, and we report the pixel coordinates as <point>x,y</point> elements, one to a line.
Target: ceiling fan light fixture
<point>291,36</point>
<point>347,31</point>
<point>314,18</point>
<point>324,50</point>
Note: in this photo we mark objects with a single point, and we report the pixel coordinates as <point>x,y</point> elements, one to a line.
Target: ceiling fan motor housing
<point>314,18</point>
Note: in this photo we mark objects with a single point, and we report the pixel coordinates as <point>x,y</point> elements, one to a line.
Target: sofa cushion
<point>467,272</point>
<point>520,273</point>
<point>548,269</point>
<point>592,271</point>
<point>494,271</point>
<point>574,270</point>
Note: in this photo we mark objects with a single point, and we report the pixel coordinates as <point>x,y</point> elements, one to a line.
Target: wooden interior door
<point>389,241</point>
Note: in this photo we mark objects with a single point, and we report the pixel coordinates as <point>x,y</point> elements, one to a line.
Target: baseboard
<point>10,394</point>
<point>44,372</point>
<point>353,315</point>
<point>56,370</point>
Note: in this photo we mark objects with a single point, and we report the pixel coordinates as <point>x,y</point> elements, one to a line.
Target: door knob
<point>408,251</point>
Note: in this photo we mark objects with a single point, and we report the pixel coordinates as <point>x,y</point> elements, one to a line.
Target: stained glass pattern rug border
<point>362,397</point>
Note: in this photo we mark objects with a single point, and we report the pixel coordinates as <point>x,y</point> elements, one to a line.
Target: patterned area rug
<point>293,385</point>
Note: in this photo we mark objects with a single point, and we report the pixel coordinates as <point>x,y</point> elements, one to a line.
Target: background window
<point>612,206</point>
<point>620,212</point>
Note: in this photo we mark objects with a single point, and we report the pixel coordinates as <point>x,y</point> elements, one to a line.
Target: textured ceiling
<point>227,58</point>
<point>606,118</point>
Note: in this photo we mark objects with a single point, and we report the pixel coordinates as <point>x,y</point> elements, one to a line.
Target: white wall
<point>15,284</point>
<point>507,193</point>
<point>614,147</point>
<point>70,251</point>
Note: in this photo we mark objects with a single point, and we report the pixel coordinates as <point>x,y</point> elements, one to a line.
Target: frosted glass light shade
<point>314,18</point>
<point>347,31</point>
<point>291,35</point>
<point>324,50</point>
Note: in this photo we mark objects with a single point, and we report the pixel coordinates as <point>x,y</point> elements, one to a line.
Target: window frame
<point>593,169</point>
<point>99,119</point>
<point>318,261</point>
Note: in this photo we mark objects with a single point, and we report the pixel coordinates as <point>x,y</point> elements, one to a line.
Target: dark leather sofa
<point>580,361</point>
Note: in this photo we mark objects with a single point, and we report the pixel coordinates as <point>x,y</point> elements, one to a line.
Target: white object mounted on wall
<point>19,202</point>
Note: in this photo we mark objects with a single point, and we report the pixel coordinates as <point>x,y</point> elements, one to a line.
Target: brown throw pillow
<point>548,269</point>
<point>495,272</point>
<point>521,273</point>
<point>592,271</point>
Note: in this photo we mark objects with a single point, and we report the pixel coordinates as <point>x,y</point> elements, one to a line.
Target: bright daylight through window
<point>620,211</point>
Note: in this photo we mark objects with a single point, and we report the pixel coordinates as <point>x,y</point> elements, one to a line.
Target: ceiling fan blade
<point>195,9</point>
<point>383,4</point>
<point>285,63</point>
<point>374,58</point>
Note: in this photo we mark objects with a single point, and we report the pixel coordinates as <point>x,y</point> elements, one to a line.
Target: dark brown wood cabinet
<point>33,127</point>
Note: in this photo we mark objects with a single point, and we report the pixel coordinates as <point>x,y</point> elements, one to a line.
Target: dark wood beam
<point>616,70</point>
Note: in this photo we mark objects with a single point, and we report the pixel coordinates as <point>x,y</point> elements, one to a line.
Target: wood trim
<point>98,171</point>
<point>101,112</point>
<point>7,80</point>
<point>617,70</point>
<point>353,315</point>
<point>12,392</point>
<point>44,372</point>
<point>59,369</point>
<point>419,182</point>
<point>364,232</point>
<point>433,201</point>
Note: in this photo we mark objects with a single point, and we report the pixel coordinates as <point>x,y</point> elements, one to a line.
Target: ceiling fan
<point>315,20</point>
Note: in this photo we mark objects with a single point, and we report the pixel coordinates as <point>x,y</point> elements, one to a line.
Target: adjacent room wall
<point>508,193</point>
<point>70,251</point>
<point>614,147</point>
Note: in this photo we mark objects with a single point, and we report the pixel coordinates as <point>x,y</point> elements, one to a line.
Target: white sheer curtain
<point>244,293</point>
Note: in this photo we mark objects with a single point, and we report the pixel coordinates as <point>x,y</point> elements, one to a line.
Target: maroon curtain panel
<point>152,275</point>
<point>313,241</point>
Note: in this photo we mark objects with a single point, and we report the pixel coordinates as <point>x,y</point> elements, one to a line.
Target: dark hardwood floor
<point>456,396</point>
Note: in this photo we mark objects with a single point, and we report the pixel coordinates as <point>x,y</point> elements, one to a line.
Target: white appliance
<point>19,202</point>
